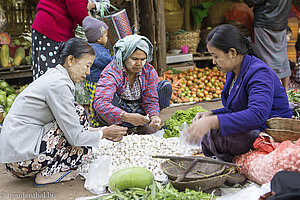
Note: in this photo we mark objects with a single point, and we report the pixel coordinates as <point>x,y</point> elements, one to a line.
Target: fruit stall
<point>195,85</point>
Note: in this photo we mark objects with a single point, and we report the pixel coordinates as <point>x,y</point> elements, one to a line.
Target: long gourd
<point>4,55</point>
<point>132,177</point>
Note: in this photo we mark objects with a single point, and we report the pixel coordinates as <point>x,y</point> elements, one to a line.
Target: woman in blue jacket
<point>251,95</point>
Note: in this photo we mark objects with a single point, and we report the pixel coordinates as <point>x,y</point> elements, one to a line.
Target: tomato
<point>196,99</point>
<point>189,83</point>
<point>200,94</point>
<point>206,68</point>
<point>195,76</point>
<point>209,84</point>
<point>180,75</point>
<point>205,92</point>
<point>215,95</point>
<point>218,92</point>
<point>199,75</point>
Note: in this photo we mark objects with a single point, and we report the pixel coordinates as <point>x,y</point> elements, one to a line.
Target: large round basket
<point>173,168</point>
<point>284,124</point>
<point>282,135</point>
<point>187,38</point>
<point>202,184</point>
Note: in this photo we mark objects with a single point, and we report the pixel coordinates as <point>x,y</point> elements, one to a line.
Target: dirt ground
<point>13,188</point>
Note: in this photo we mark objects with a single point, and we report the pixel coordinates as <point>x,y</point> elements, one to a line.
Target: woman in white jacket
<point>44,134</point>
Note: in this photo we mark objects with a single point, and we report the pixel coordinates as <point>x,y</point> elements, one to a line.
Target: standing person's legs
<point>57,160</point>
<point>44,53</point>
<point>272,46</point>
<point>285,83</point>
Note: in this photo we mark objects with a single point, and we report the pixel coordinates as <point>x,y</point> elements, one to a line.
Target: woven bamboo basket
<point>283,124</point>
<point>187,38</point>
<point>203,184</point>
<point>174,20</point>
<point>173,168</point>
<point>280,135</point>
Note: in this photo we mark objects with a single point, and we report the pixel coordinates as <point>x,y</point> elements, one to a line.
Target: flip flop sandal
<point>58,180</point>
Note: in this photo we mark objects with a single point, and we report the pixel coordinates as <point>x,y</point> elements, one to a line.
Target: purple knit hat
<point>93,28</point>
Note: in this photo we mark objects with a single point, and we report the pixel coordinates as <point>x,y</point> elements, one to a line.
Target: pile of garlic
<point>137,151</point>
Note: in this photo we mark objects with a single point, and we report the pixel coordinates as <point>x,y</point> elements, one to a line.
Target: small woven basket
<point>283,124</point>
<point>280,135</point>
<point>187,38</point>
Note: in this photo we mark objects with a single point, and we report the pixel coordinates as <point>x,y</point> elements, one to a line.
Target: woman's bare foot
<point>39,179</point>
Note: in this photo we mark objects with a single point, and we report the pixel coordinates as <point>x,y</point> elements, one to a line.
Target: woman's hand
<point>155,122</point>
<point>199,128</point>
<point>135,119</point>
<point>200,115</point>
<point>114,132</point>
<point>91,5</point>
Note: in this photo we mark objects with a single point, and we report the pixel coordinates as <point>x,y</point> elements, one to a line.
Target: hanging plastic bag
<point>97,177</point>
<point>186,146</point>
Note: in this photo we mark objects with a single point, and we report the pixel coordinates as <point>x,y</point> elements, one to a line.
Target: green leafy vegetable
<point>157,192</point>
<point>9,90</point>
<point>3,84</point>
<point>173,124</point>
<point>10,99</point>
<point>294,97</point>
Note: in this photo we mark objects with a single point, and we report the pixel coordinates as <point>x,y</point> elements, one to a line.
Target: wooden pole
<point>135,25</point>
<point>160,36</point>
<point>187,15</point>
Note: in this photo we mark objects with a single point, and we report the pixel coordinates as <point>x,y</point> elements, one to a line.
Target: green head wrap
<point>125,47</point>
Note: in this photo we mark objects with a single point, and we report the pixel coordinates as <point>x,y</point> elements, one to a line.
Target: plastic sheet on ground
<point>253,192</point>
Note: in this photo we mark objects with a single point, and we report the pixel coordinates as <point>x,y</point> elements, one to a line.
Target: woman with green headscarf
<point>128,91</point>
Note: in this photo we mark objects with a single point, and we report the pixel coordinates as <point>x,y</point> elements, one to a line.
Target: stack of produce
<point>137,151</point>
<point>195,85</point>
<point>16,48</point>
<point>7,96</point>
